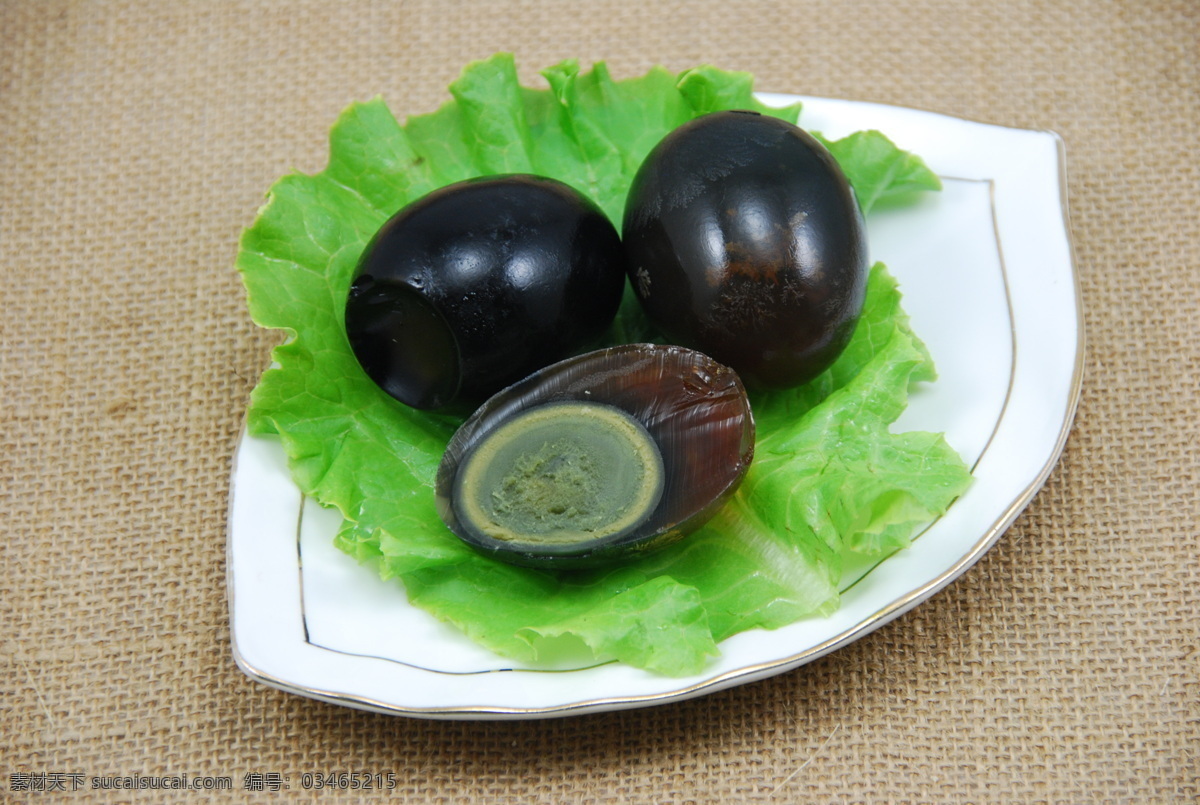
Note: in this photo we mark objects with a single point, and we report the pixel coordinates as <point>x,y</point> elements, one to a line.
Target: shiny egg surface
<point>480,283</point>
<point>746,242</point>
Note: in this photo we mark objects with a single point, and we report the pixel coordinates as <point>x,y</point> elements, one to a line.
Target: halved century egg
<point>598,457</point>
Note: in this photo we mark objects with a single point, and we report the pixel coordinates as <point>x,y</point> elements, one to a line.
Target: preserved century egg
<point>480,283</point>
<point>746,242</point>
<point>598,457</point>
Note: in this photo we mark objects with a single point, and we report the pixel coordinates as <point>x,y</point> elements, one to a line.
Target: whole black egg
<point>480,283</point>
<point>746,242</point>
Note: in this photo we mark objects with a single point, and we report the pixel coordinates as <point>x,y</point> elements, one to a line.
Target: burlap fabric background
<point>137,141</point>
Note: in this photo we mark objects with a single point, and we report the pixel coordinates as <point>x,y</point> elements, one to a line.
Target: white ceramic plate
<point>986,271</point>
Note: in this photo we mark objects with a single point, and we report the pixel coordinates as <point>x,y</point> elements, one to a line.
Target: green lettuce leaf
<point>829,482</point>
<point>878,170</point>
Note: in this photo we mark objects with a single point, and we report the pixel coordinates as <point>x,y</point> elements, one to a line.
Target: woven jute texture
<point>137,141</point>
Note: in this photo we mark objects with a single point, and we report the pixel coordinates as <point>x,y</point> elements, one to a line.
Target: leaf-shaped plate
<point>988,281</point>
